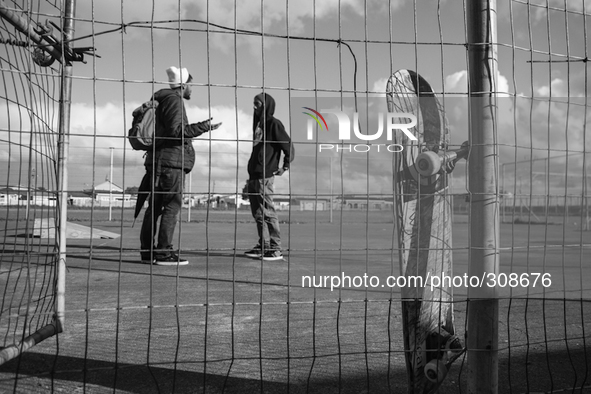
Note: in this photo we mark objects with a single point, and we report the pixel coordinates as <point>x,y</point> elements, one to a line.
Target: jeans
<point>165,204</point>
<point>260,194</point>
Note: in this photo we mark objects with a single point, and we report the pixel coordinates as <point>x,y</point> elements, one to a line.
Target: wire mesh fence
<point>328,316</point>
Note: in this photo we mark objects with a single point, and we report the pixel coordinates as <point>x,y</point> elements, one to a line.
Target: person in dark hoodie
<point>269,140</point>
<point>166,166</point>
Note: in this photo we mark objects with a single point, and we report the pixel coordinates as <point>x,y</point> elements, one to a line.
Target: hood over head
<point>268,109</point>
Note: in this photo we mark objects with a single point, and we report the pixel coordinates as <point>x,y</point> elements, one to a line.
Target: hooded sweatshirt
<point>269,140</point>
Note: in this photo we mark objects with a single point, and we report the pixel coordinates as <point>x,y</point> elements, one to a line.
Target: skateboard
<point>423,223</point>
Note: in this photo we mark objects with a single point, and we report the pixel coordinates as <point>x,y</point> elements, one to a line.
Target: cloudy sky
<point>383,36</point>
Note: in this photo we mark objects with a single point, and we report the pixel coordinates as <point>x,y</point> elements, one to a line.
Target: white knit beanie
<point>177,76</point>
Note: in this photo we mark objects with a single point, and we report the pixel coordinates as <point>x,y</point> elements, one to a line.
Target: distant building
<point>314,204</point>
<point>9,196</point>
<point>282,202</point>
<point>345,202</point>
<point>364,202</point>
<point>80,199</point>
<point>106,194</point>
<point>215,201</point>
<point>235,200</point>
<point>22,195</point>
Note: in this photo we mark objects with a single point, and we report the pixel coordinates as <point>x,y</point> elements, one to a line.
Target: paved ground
<point>226,323</point>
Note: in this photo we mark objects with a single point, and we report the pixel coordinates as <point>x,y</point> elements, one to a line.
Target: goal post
<point>62,176</point>
<point>13,351</point>
<point>38,312</point>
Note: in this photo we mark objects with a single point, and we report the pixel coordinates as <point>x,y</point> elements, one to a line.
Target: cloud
<point>25,142</point>
<point>557,88</point>
<point>118,12</point>
<point>552,123</point>
<point>457,106</point>
<point>221,156</point>
<point>246,15</point>
<point>541,7</point>
<point>380,85</point>
<point>14,117</point>
<point>95,131</point>
<point>458,83</point>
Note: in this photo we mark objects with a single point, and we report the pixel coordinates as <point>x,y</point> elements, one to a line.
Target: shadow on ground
<point>525,373</point>
<point>40,373</point>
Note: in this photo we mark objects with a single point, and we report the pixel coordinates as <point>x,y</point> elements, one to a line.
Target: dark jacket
<point>172,150</point>
<point>264,160</point>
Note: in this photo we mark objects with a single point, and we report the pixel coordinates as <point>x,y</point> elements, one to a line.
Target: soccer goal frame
<point>47,49</point>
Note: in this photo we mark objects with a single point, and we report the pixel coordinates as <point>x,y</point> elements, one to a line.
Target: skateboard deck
<point>423,220</point>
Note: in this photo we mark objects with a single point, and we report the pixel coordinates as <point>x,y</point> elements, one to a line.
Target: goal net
<point>29,130</point>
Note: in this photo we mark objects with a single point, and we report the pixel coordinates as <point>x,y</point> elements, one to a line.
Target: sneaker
<point>273,255</point>
<point>255,252</point>
<point>146,258</point>
<point>171,259</point>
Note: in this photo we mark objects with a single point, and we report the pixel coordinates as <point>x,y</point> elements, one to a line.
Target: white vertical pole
<point>482,335</point>
<point>331,196</point>
<point>190,197</point>
<point>504,196</point>
<point>111,186</point>
<point>29,186</point>
<point>62,164</point>
<point>585,196</point>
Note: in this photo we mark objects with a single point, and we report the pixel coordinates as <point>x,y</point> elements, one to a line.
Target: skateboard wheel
<point>435,371</point>
<point>428,163</point>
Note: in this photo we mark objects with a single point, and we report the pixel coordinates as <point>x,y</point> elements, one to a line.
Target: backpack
<point>141,134</point>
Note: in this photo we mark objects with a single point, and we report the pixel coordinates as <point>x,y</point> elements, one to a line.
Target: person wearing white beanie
<point>178,76</point>
<point>173,156</point>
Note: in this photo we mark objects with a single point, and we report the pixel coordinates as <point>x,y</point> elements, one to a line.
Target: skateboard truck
<point>430,163</point>
<point>437,368</point>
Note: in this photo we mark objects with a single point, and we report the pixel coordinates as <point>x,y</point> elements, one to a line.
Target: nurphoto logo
<point>393,121</point>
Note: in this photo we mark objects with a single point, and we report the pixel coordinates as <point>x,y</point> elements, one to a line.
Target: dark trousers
<point>164,204</point>
<point>260,195</point>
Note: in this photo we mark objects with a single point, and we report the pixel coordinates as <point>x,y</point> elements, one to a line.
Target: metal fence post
<point>482,335</point>
<point>63,146</point>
